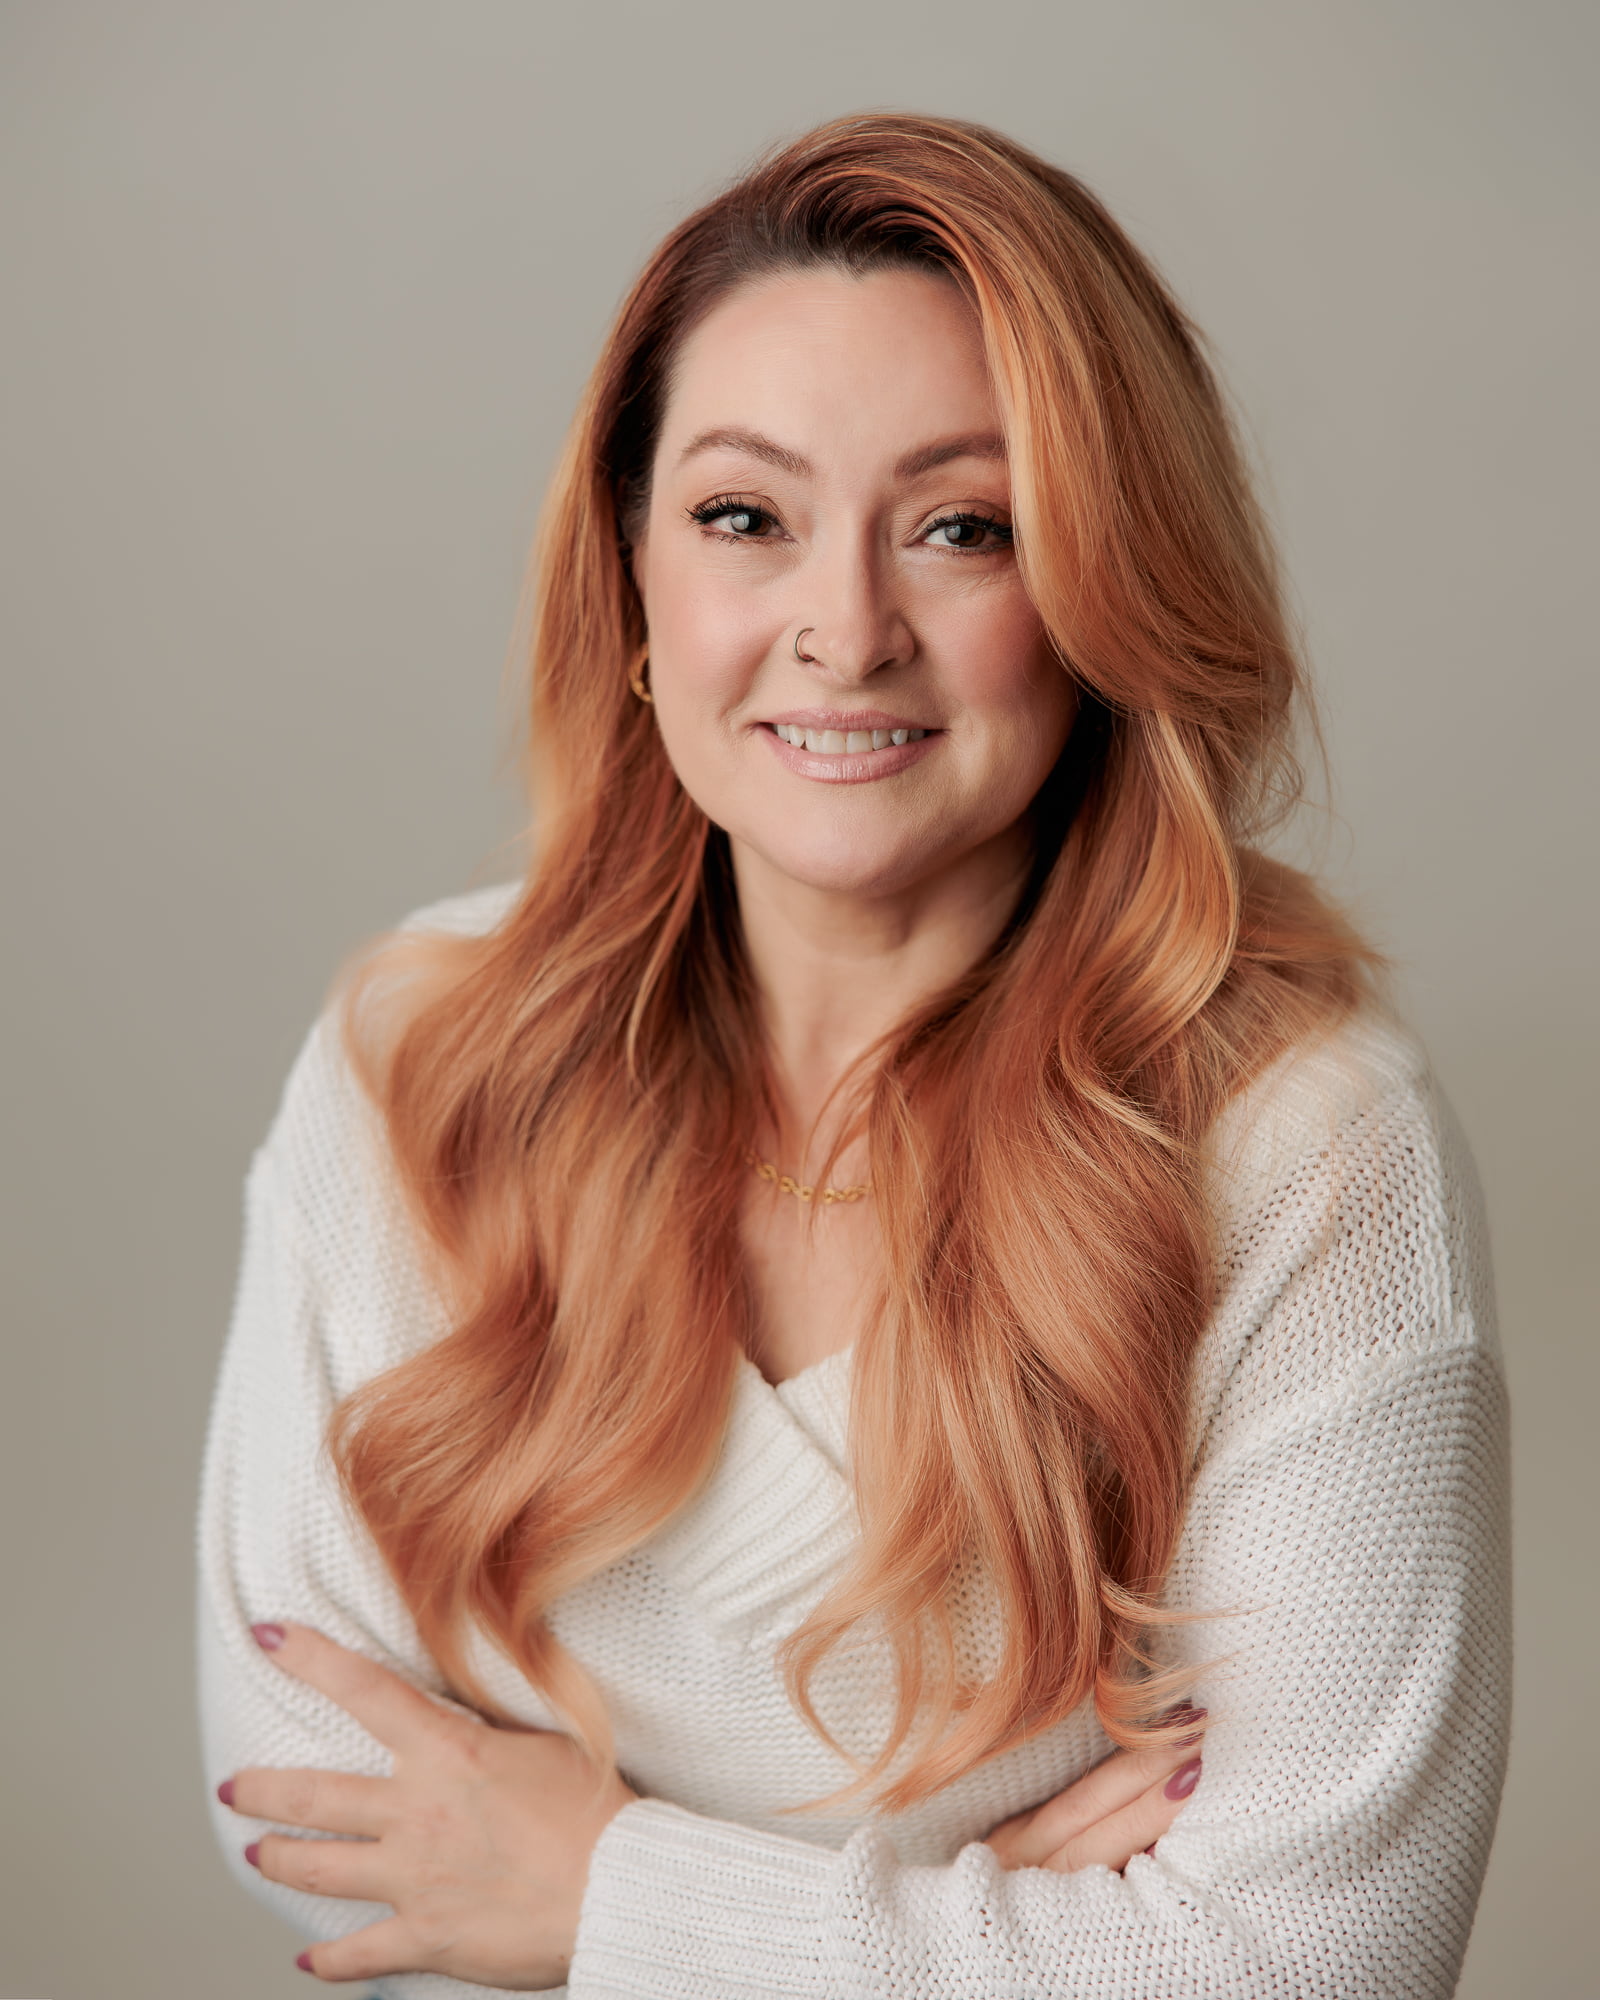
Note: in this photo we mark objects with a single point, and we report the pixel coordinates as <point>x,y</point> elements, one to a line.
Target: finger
<point>1113,1784</point>
<point>399,1715</point>
<point>365,1954</point>
<point>1113,1841</point>
<point>357,1870</point>
<point>330,1801</point>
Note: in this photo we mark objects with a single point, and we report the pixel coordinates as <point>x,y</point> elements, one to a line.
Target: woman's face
<point>830,464</point>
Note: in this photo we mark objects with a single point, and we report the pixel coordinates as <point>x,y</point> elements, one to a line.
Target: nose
<point>853,621</point>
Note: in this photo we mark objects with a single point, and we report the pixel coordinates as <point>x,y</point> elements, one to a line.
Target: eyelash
<point>966,517</point>
<point>729,503</point>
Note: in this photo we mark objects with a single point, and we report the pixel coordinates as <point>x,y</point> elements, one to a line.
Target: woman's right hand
<point>1119,1809</point>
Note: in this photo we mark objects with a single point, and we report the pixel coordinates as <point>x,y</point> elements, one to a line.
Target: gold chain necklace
<point>786,1184</point>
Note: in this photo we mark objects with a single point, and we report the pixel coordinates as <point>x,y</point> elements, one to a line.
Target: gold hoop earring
<point>636,678</point>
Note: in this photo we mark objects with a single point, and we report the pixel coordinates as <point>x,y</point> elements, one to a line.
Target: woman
<point>903,1274</point>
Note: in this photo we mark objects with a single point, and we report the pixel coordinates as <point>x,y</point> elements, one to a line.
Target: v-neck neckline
<point>827,1361</point>
<point>774,1521</point>
<point>817,1398</point>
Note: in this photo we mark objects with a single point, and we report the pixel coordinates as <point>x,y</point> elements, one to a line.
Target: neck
<point>835,970</point>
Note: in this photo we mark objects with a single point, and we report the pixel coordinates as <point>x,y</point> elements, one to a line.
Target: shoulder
<point>325,1160</point>
<point>1351,1235</point>
<point>1349,1129</point>
<point>1321,1091</point>
<point>474,913</point>
<point>322,1095</point>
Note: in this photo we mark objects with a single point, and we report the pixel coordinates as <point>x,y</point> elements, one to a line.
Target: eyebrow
<point>752,444</point>
<point>926,458</point>
<point>972,444</point>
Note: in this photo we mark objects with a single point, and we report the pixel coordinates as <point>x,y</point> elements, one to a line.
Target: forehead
<point>828,362</point>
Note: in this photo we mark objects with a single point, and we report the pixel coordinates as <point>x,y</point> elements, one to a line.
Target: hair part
<point>568,1099</point>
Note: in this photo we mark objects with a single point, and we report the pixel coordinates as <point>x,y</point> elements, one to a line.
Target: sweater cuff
<point>680,1907</point>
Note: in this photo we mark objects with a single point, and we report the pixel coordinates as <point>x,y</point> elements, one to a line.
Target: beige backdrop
<point>297,300</point>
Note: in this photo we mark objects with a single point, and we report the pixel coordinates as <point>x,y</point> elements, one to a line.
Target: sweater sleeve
<point>1347,1537</point>
<point>275,1538</point>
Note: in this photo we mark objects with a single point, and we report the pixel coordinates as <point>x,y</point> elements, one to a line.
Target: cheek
<point>707,634</point>
<point>706,649</point>
<point>1003,667</point>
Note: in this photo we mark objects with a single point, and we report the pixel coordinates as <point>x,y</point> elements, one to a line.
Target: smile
<point>843,742</point>
<point>833,746</point>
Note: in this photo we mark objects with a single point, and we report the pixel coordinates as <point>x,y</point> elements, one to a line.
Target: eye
<point>737,520</point>
<point>968,533</point>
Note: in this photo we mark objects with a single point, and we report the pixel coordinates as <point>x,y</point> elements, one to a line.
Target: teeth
<point>839,742</point>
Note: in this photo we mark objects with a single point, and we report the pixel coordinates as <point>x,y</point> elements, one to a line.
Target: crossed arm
<point>480,1841</point>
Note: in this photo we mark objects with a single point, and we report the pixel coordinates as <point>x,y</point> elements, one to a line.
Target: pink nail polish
<point>252,1854</point>
<point>225,1791</point>
<point>304,1961</point>
<point>268,1637</point>
<point>1183,1780</point>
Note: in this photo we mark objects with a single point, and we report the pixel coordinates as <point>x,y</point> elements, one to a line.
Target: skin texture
<point>860,895</point>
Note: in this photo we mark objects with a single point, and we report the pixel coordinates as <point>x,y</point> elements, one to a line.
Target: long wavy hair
<point>569,1098</point>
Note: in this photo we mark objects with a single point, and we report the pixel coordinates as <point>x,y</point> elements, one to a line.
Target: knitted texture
<point>1347,1538</point>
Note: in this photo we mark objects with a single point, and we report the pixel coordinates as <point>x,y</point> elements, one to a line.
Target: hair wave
<point>569,1099</point>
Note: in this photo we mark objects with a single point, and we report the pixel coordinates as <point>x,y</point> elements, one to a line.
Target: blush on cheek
<point>994,653</point>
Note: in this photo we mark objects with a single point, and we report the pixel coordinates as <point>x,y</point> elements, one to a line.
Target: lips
<point>844,747</point>
<point>842,742</point>
<point>849,719</point>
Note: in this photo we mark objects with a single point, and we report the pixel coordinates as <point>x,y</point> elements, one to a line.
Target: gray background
<point>298,300</point>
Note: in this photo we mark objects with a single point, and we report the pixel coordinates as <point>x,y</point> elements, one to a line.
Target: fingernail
<point>268,1637</point>
<point>1183,1780</point>
<point>252,1854</point>
<point>225,1791</point>
<point>304,1961</point>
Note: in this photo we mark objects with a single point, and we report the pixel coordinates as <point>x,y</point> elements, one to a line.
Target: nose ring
<point>808,658</point>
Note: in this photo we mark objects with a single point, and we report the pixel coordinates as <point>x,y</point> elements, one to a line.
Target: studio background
<point>298,299</point>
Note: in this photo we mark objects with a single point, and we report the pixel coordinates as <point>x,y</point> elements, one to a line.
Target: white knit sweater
<point>1349,1517</point>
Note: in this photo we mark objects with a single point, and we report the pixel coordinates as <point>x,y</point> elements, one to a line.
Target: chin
<point>844,867</point>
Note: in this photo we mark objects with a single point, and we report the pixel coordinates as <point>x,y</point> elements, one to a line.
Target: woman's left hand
<point>480,1841</point>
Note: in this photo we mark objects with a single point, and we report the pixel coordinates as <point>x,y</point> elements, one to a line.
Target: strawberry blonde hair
<point>569,1099</point>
